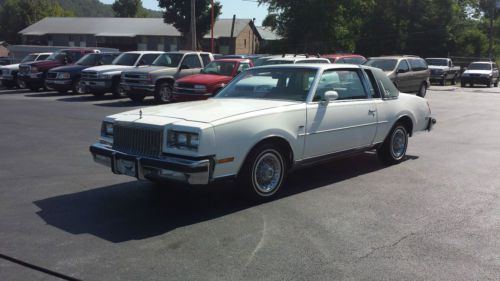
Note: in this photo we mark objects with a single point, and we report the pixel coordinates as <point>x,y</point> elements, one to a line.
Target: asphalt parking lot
<point>436,216</point>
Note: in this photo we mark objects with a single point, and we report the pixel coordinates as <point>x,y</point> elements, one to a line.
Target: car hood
<point>152,69</point>
<point>438,67</point>
<point>205,79</point>
<point>44,63</point>
<point>10,66</point>
<point>69,68</point>
<point>477,72</point>
<point>110,67</point>
<point>206,111</point>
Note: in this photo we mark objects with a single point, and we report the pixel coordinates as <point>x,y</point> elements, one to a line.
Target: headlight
<point>107,129</point>
<point>200,87</point>
<point>183,140</point>
<point>63,75</point>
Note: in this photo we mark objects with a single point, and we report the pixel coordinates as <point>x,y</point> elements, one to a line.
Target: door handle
<point>372,111</point>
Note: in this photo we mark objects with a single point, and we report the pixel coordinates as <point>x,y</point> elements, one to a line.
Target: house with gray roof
<point>230,36</point>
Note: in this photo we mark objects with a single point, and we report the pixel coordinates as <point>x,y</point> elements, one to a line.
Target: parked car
<point>294,60</point>
<point>443,69</point>
<point>345,58</point>
<point>65,78</point>
<point>268,121</point>
<point>8,73</point>
<point>210,81</point>
<point>6,60</point>
<point>480,72</point>
<point>261,60</point>
<point>158,79</point>
<point>99,80</point>
<point>410,74</point>
<point>32,75</point>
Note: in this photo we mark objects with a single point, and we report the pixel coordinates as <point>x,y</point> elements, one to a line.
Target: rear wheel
<point>163,92</point>
<point>393,150</point>
<point>263,172</point>
<point>490,83</point>
<point>422,91</point>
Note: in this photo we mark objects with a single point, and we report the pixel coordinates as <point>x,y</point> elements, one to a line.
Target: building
<point>231,36</point>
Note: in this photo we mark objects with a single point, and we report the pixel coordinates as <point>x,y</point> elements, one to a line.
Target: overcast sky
<point>247,9</point>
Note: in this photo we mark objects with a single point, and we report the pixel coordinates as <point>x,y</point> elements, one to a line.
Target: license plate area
<point>126,167</point>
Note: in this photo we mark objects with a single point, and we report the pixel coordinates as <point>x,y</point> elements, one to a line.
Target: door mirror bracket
<point>330,96</point>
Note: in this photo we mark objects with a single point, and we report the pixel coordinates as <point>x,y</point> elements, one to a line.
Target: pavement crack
<point>394,244</point>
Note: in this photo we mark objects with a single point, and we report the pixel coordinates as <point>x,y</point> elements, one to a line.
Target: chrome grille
<point>52,75</point>
<point>135,140</point>
<point>89,75</point>
<point>24,69</point>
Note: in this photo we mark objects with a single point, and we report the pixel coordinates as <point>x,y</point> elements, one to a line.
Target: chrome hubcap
<point>165,93</point>
<point>267,172</point>
<point>398,143</point>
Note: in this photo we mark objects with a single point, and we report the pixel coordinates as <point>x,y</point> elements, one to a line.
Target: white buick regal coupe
<point>265,123</point>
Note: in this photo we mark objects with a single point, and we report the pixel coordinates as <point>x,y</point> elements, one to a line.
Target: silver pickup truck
<point>158,79</point>
<point>443,69</point>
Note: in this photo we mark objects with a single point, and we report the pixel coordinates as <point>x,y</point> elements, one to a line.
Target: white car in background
<point>266,122</point>
<point>8,73</point>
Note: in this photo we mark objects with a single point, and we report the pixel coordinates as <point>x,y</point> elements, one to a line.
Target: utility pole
<point>212,28</point>
<point>193,25</point>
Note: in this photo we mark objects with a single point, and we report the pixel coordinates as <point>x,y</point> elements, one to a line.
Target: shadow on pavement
<point>139,210</point>
<point>87,98</point>
<point>128,103</point>
<point>48,94</point>
<point>5,91</point>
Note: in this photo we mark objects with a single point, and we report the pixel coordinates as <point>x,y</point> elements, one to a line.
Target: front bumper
<point>194,172</point>
<point>430,123</point>
<point>191,96</point>
<point>98,85</point>
<point>7,78</point>
<point>476,79</point>
<point>138,88</point>
<point>32,78</point>
<point>59,84</point>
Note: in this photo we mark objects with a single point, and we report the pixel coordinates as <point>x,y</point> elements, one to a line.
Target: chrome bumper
<point>129,87</point>
<point>195,172</point>
<point>431,123</point>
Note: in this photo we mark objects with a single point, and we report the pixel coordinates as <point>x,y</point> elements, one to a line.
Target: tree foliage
<point>128,9</point>
<point>178,13</point>
<point>16,15</point>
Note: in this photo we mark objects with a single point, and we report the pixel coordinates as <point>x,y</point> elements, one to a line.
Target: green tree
<point>128,9</point>
<point>178,13</point>
<point>16,15</point>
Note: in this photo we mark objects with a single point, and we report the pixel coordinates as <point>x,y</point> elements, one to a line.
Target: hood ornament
<point>140,113</point>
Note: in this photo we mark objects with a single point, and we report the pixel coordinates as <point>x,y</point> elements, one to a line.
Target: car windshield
<point>437,62</point>
<point>353,60</point>
<point>29,58</point>
<point>260,61</point>
<point>479,66</point>
<point>219,68</point>
<point>168,60</point>
<point>89,60</point>
<point>384,64</point>
<point>272,62</point>
<point>128,59</point>
<point>291,84</point>
<point>57,56</point>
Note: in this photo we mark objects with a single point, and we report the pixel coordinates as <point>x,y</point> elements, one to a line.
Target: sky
<point>247,9</point>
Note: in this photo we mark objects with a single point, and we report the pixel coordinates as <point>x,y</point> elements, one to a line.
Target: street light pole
<point>212,30</point>
<point>193,25</point>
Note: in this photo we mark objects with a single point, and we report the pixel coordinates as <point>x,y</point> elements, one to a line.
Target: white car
<point>481,72</point>
<point>8,73</point>
<point>268,121</point>
<point>99,80</point>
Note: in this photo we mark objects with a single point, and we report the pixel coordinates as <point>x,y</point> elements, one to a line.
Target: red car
<point>210,81</point>
<point>345,58</point>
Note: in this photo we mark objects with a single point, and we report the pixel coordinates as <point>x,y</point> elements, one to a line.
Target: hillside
<point>93,8</point>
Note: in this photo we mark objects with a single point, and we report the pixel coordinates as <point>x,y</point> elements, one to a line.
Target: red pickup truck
<point>32,75</point>
<point>210,81</point>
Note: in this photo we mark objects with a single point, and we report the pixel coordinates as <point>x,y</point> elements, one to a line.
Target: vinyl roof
<point>123,27</point>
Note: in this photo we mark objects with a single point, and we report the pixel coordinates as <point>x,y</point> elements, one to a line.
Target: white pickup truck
<point>443,69</point>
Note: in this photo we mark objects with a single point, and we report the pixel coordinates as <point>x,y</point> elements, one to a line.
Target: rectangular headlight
<point>63,75</point>
<point>183,140</point>
<point>107,129</point>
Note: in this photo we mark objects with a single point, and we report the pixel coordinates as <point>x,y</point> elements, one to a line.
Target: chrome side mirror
<point>329,96</point>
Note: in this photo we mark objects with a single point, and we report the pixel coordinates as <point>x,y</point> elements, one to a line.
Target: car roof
<point>41,54</point>
<point>482,62</point>
<point>144,52</point>
<point>316,66</point>
<point>342,56</point>
<point>437,58</point>
<point>233,60</point>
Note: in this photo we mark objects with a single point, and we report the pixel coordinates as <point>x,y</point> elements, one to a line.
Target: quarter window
<point>347,83</point>
<point>418,64</point>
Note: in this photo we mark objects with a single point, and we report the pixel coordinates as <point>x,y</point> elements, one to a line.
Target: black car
<point>65,78</point>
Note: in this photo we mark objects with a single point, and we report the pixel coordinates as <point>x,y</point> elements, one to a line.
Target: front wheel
<point>163,93</point>
<point>263,172</point>
<point>117,90</point>
<point>78,88</point>
<point>422,91</point>
<point>393,150</point>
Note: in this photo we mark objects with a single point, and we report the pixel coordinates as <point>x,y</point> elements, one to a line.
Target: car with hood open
<point>266,122</point>
<point>99,80</point>
<point>65,78</point>
<point>8,73</point>
<point>158,79</point>
<point>210,81</point>
<point>32,75</point>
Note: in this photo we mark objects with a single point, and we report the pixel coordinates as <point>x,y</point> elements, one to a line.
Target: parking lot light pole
<point>193,25</point>
<point>212,29</point>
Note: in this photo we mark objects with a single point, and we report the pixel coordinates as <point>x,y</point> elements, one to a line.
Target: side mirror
<point>329,96</point>
<point>184,67</point>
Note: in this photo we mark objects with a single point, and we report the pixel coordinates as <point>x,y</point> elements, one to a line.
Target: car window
<point>403,65</point>
<point>107,59</point>
<point>206,59</point>
<point>341,60</point>
<point>224,68</point>
<point>192,61</point>
<point>290,84</point>
<point>347,83</point>
<point>127,59</point>
<point>418,64</point>
<point>42,57</point>
<point>354,60</point>
<point>373,86</point>
<point>385,85</point>
<point>243,66</point>
<point>479,66</point>
<point>148,59</point>
<point>384,64</point>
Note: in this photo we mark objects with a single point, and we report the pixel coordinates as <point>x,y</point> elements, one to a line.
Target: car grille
<point>136,78</point>
<point>4,72</point>
<point>89,75</point>
<point>52,75</point>
<point>24,69</point>
<point>142,141</point>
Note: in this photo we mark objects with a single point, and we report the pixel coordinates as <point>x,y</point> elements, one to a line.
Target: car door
<point>350,122</point>
<point>190,65</point>
<point>403,78</point>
